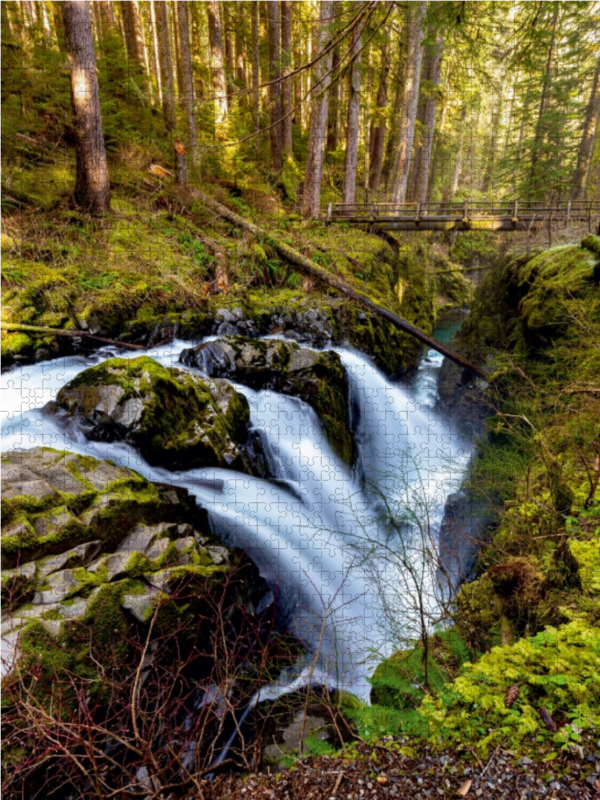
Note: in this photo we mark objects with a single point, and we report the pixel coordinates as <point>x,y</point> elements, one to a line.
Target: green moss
<point>138,565</point>
<point>555,670</point>
<point>592,243</point>
<point>14,344</point>
<point>183,420</point>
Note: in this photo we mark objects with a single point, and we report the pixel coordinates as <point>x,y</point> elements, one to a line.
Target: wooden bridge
<point>510,215</point>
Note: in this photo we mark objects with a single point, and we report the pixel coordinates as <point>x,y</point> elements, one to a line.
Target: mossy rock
<point>174,418</point>
<point>317,378</point>
<point>89,547</point>
<point>53,501</point>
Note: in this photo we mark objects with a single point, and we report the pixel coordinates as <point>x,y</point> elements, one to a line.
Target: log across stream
<point>351,584</point>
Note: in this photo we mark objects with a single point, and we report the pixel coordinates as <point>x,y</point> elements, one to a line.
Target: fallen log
<point>310,267</point>
<point>14,326</point>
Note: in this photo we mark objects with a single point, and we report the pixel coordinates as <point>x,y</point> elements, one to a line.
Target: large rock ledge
<point>79,535</point>
<point>317,378</point>
<point>174,418</point>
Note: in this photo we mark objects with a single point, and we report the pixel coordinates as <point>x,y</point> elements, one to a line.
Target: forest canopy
<point>347,101</point>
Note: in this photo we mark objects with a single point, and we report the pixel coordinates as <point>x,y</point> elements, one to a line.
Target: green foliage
<point>555,670</point>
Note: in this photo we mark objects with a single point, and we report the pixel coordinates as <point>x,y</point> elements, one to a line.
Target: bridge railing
<point>443,210</point>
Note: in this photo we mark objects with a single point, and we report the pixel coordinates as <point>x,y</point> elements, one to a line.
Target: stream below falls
<point>351,555</point>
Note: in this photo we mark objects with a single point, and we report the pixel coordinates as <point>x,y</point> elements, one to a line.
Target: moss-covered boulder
<point>80,535</point>
<point>171,416</point>
<point>317,378</point>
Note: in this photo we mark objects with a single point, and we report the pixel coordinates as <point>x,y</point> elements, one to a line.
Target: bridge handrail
<point>508,208</point>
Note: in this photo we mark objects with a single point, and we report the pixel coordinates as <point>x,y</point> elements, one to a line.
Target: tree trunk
<point>59,28</point>
<point>181,170</point>
<point>240,61</point>
<point>393,137</point>
<point>155,51</point>
<point>367,102</point>
<point>276,130</point>
<point>177,50</point>
<point>166,63</point>
<point>134,36</point>
<point>412,83</point>
<point>187,87</point>
<point>314,270</point>
<point>588,137</point>
<point>536,187</point>
<point>318,125</point>
<point>29,10</point>
<point>228,46</point>
<point>352,128</point>
<point>107,16</point>
<point>459,152</point>
<point>45,21</point>
<point>298,109</point>
<point>215,36</point>
<point>92,191</point>
<point>378,125</point>
<point>419,127</point>
<point>255,66</point>
<point>96,30</point>
<point>287,58</point>
<point>333,124</point>
<point>429,128</point>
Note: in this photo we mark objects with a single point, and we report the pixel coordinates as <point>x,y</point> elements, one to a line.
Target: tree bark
<point>333,124</point>
<point>379,124</point>
<point>92,187</point>
<point>421,194</point>
<point>393,138</point>
<point>166,63</point>
<point>187,88</point>
<point>181,170</point>
<point>287,59</point>
<point>314,270</point>
<point>459,153</point>
<point>318,124</point>
<point>536,186</point>
<point>134,36</point>
<point>240,60</point>
<point>276,129</point>
<point>45,21</point>
<point>155,51</point>
<point>588,137</point>
<point>107,16</point>
<point>412,83</point>
<point>215,36</point>
<point>255,66</point>
<point>352,128</point>
<point>228,47</point>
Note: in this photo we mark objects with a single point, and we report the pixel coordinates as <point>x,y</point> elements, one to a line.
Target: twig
<point>491,758</point>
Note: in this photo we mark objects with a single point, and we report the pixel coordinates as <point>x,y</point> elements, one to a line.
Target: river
<point>351,554</point>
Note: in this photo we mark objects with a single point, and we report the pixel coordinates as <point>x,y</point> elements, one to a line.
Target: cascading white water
<point>349,580</point>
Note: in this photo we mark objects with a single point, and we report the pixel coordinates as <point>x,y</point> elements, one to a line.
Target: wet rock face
<point>317,378</point>
<point>79,533</point>
<point>174,418</point>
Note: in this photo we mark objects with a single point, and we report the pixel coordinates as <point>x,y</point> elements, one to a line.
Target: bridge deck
<point>512,215</point>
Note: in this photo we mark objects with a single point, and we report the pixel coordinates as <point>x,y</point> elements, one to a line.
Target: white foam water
<point>352,552</point>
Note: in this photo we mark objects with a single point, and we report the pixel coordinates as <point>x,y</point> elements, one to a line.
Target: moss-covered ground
<point>154,259</point>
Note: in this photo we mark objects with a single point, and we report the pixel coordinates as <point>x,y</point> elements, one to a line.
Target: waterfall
<point>346,577</point>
